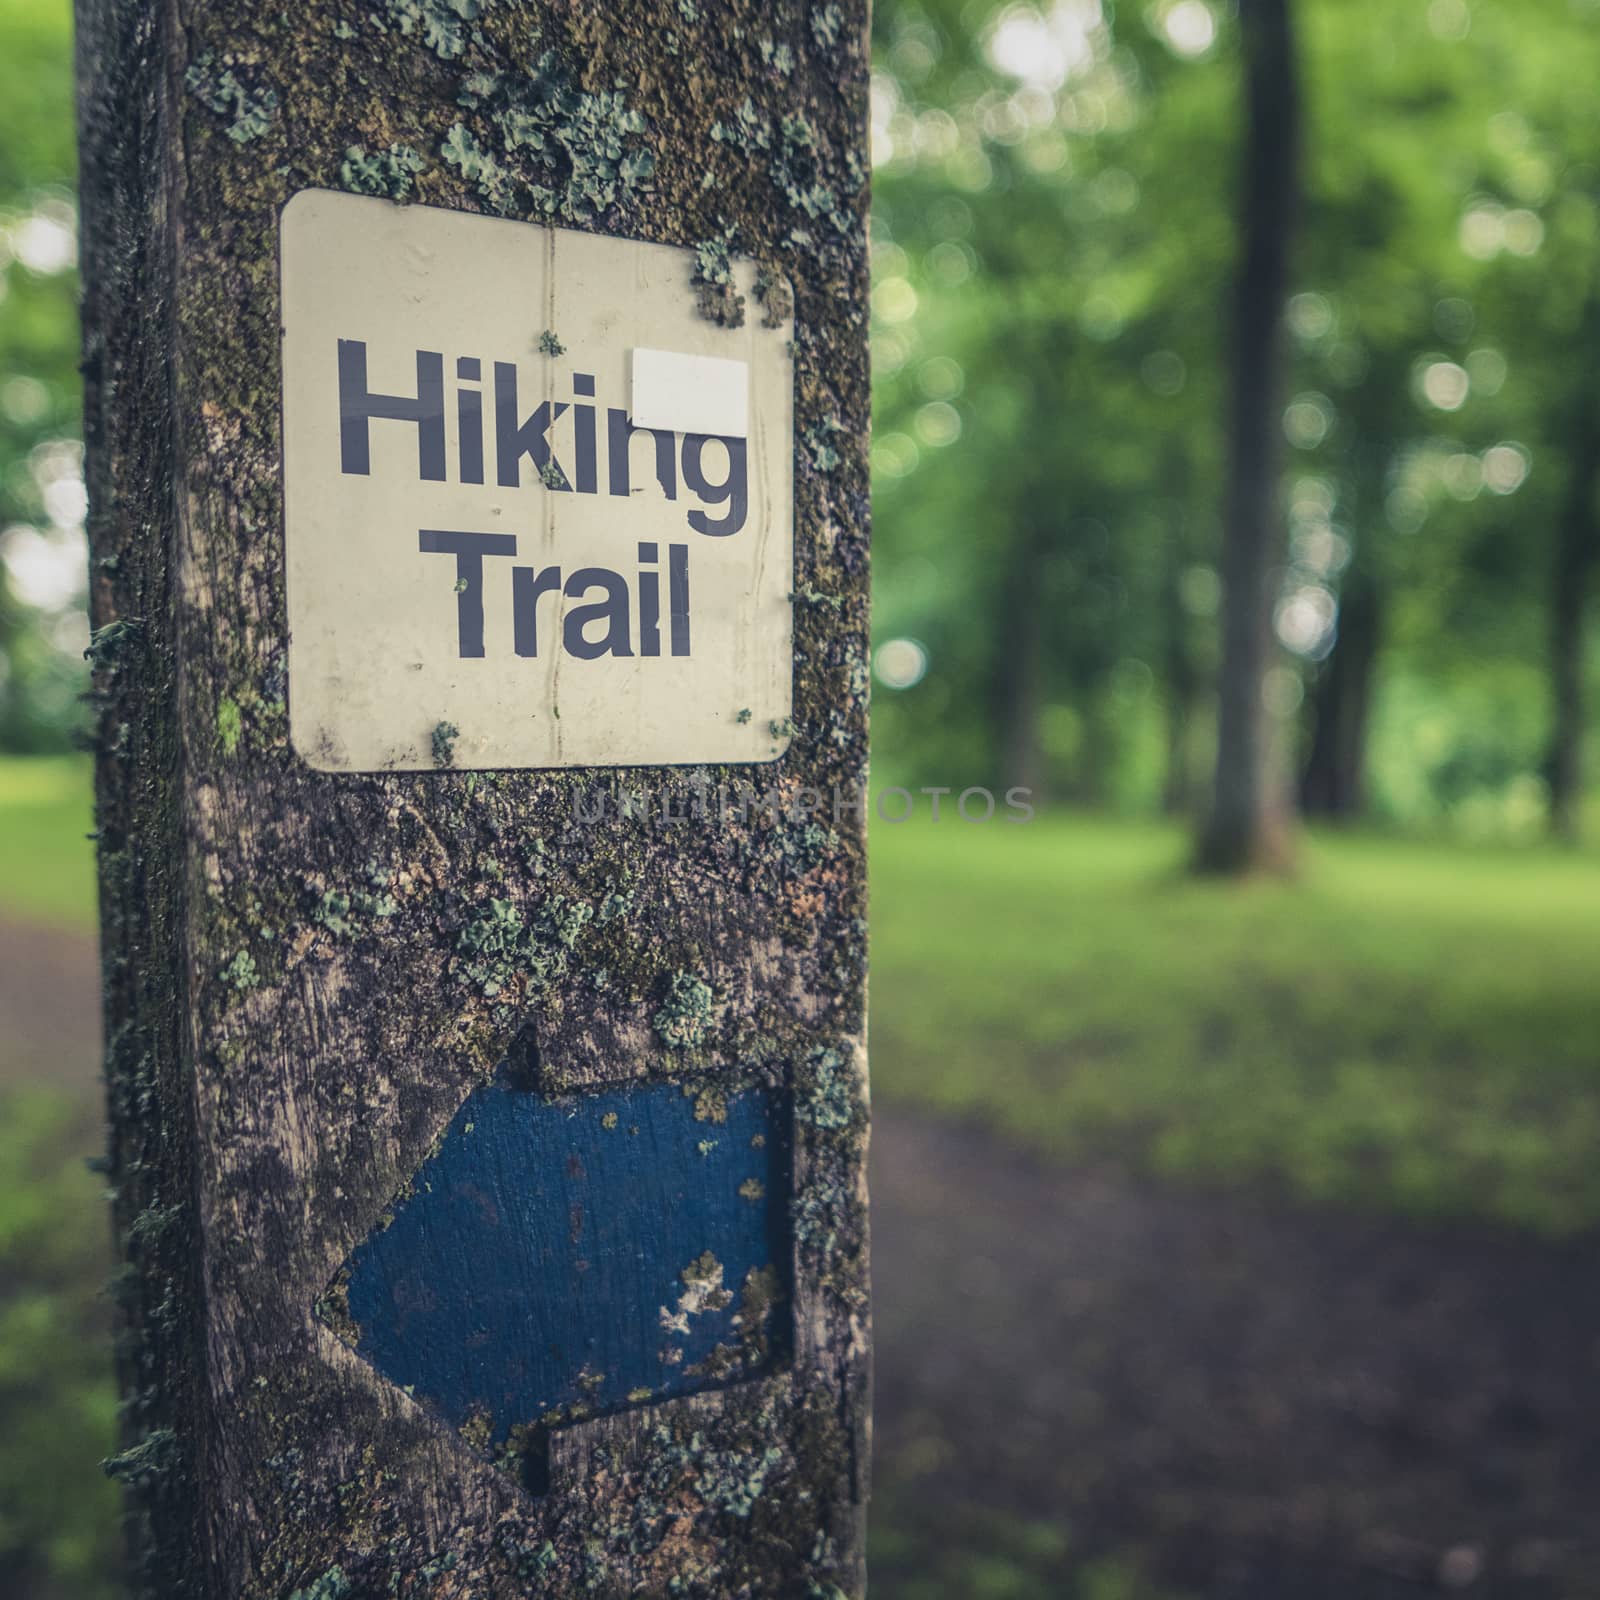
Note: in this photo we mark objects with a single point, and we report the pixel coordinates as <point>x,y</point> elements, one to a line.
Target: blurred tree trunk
<point>1251,824</point>
<point>1022,670</point>
<point>1181,689</point>
<point>1334,782</point>
<point>1576,555</point>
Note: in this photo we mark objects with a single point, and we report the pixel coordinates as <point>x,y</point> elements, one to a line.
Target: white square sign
<point>531,495</point>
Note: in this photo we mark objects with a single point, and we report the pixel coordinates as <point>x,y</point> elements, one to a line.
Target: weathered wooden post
<point>477,406</point>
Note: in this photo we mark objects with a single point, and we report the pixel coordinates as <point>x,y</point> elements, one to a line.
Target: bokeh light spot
<point>900,663</point>
<point>1505,467</point>
<point>1445,385</point>
<point>938,424</point>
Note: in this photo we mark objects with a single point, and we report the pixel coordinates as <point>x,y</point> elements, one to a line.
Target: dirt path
<point>1251,1400</point>
<point>49,1007</point>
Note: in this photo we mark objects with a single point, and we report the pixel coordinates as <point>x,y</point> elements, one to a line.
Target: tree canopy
<point>1055,239</point>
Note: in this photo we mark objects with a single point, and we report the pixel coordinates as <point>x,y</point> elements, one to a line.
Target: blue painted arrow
<point>559,1258</point>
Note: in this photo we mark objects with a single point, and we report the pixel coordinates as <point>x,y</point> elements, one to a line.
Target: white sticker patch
<point>691,394</point>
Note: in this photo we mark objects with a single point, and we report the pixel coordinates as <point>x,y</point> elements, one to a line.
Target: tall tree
<point>1333,784</point>
<point>1250,825</point>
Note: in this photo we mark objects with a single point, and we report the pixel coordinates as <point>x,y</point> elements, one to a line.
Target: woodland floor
<point>49,1008</point>
<point>1093,1385</point>
<point>1090,1384</point>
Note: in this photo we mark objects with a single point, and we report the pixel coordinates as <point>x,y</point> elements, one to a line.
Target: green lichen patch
<point>443,25</point>
<point>760,1294</point>
<point>331,1585</point>
<point>110,646</point>
<point>827,24</point>
<point>775,295</point>
<point>710,1101</point>
<point>350,913</point>
<point>539,144</point>
<point>152,1457</point>
<point>240,973</point>
<point>250,107</point>
<point>502,950</point>
<point>715,296</point>
<point>703,1292</point>
<point>151,1225</point>
<point>496,944</point>
<point>682,1019</point>
<point>778,56</point>
<point>477,1430</point>
<point>826,1093</point>
<point>443,742</point>
<point>333,1310</point>
<point>746,129</point>
<point>616,904</point>
<point>390,174</point>
<point>731,1481</point>
<point>230,724</point>
<point>823,445</point>
<point>528,1560</point>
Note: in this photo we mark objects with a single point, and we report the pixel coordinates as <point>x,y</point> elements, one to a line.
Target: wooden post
<point>487,1083</point>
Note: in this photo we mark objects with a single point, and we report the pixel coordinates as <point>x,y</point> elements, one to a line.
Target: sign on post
<point>530,491</point>
<point>476,410</point>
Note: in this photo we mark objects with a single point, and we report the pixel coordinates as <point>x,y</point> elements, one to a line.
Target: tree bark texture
<point>1181,677</point>
<point>295,991</point>
<point>1023,668</point>
<point>1249,823</point>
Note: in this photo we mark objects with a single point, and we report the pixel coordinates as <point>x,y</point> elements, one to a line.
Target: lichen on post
<point>336,1000</point>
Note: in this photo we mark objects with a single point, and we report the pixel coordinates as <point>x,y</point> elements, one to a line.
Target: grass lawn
<point>1413,1026</point>
<point>46,860</point>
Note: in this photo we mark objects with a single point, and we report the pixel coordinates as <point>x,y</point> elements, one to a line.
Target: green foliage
<point>57,1405</point>
<point>1411,1027</point>
<point>42,557</point>
<point>975,1552</point>
<point>1053,244</point>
